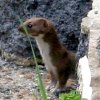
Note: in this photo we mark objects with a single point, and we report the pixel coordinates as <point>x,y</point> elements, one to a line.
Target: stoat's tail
<point>84,75</point>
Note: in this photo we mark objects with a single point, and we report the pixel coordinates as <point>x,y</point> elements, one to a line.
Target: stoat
<point>59,61</point>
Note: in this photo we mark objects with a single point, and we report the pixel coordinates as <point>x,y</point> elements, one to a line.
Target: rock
<point>2,62</point>
<point>66,15</point>
<point>91,26</point>
<point>20,60</point>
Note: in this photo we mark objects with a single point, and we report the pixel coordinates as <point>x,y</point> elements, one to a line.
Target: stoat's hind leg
<point>61,84</point>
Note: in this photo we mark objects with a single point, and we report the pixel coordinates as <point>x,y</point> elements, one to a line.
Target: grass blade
<point>40,81</point>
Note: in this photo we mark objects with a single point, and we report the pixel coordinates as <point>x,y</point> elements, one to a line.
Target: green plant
<point>70,96</point>
<point>40,81</point>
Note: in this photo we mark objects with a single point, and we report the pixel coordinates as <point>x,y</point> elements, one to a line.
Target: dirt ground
<point>19,83</point>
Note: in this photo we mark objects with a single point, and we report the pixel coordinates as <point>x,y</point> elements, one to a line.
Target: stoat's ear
<point>43,22</point>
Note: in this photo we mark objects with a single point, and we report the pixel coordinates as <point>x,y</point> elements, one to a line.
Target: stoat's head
<point>36,26</point>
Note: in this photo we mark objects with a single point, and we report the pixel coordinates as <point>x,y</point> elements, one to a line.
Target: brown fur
<point>62,59</point>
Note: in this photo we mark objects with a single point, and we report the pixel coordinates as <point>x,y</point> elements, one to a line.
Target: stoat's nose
<point>20,28</point>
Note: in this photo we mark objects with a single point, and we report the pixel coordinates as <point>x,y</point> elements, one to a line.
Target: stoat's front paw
<point>51,86</point>
<point>58,91</point>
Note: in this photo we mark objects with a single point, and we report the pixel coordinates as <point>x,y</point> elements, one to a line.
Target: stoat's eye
<point>29,25</point>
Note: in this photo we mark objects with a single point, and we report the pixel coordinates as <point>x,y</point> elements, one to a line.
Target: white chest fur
<point>45,53</point>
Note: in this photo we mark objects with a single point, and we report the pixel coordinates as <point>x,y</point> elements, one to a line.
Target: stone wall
<point>66,15</point>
